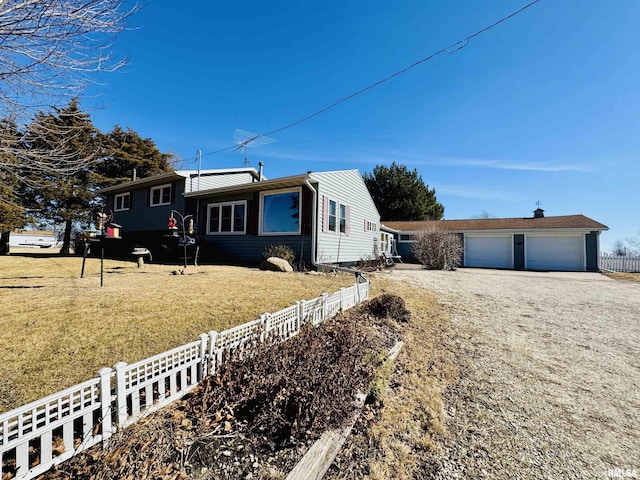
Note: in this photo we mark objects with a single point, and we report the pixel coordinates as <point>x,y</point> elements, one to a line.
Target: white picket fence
<point>44,433</point>
<point>616,263</point>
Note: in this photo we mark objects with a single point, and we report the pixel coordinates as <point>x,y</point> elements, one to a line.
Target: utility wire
<point>453,48</point>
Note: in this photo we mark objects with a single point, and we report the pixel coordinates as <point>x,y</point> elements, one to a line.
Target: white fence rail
<point>620,264</point>
<point>44,433</point>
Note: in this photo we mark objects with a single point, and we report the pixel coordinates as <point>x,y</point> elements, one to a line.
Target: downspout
<point>360,278</point>
<point>314,222</point>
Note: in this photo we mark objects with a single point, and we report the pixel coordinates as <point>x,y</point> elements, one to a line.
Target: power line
<point>453,48</point>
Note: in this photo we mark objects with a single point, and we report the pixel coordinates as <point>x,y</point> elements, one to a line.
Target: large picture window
<point>122,201</point>
<point>227,218</point>
<point>160,195</point>
<point>280,212</point>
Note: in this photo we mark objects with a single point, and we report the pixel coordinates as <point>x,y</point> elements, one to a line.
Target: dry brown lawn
<point>630,277</point>
<point>57,329</point>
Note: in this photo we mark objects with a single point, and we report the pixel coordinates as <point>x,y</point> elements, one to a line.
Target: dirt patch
<point>549,375</point>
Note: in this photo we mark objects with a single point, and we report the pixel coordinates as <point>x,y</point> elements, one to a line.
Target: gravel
<point>549,374</point>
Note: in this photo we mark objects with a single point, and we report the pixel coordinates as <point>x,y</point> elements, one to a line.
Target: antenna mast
<point>244,139</point>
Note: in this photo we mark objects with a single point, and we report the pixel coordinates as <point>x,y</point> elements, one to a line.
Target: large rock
<point>276,264</point>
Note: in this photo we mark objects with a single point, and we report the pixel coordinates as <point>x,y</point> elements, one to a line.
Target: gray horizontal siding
<point>247,249</point>
<point>142,217</point>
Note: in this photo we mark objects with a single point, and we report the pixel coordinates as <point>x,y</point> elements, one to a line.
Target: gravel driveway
<point>550,374</point>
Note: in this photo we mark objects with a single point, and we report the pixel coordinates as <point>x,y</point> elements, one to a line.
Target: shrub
<point>389,306</point>
<point>438,249</point>
<point>280,251</point>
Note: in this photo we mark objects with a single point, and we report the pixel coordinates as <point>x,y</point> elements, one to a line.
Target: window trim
<point>335,216</point>
<point>264,194</point>
<point>233,204</point>
<point>115,201</point>
<point>161,188</point>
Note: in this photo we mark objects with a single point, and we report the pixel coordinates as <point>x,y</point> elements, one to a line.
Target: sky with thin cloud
<point>542,107</point>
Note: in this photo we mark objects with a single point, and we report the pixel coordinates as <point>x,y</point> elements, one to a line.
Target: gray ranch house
<point>325,217</point>
<point>564,243</point>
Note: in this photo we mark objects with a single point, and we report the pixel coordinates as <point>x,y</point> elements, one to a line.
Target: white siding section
<point>346,187</point>
<point>218,180</point>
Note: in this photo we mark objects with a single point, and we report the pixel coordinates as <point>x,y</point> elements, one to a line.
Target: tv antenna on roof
<point>244,139</point>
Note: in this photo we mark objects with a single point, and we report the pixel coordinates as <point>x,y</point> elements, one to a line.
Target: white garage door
<point>555,253</point>
<point>495,251</point>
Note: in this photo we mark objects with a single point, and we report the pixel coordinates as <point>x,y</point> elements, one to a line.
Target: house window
<point>370,226</point>
<point>227,218</point>
<point>343,218</point>
<point>160,195</point>
<point>122,201</point>
<point>333,218</point>
<point>336,216</point>
<point>280,212</point>
<point>406,237</point>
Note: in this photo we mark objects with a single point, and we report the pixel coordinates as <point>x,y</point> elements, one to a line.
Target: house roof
<point>174,175</point>
<point>579,222</point>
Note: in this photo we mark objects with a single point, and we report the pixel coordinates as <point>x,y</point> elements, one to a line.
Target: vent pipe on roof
<point>260,164</point>
<point>538,213</point>
<point>135,173</point>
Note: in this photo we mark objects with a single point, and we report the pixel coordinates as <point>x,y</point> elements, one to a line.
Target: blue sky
<point>544,107</point>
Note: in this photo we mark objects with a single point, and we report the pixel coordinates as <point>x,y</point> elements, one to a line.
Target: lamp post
<point>173,226</point>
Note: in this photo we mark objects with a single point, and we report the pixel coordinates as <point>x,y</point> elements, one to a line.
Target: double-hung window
<point>280,212</point>
<point>122,201</point>
<point>160,195</point>
<point>343,218</point>
<point>336,217</point>
<point>227,218</point>
<point>333,215</point>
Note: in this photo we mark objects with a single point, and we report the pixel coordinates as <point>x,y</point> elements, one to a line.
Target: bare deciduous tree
<point>48,51</point>
<point>437,249</point>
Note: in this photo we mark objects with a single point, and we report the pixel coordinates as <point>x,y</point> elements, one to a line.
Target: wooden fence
<point>44,433</point>
<point>616,263</point>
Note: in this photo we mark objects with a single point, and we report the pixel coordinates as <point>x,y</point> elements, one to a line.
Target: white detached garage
<point>566,243</point>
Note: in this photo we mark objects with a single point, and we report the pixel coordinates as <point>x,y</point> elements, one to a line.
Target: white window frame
<point>342,218</point>
<point>371,226</point>
<point>161,188</point>
<point>334,215</point>
<point>233,207</point>
<point>261,232</point>
<point>121,196</point>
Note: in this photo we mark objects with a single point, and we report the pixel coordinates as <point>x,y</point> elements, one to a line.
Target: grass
<point>414,415</point>
<point>630,277</point>
<point>57,329</point>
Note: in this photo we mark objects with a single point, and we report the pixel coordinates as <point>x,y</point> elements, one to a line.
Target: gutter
<point>360,278</point>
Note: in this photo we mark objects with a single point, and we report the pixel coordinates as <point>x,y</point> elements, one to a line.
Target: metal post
<point>102,266</point>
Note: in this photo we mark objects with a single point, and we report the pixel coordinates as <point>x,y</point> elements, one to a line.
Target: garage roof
<point>566,221</point>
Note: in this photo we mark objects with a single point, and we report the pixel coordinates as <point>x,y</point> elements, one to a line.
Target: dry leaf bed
<point>256,418</point>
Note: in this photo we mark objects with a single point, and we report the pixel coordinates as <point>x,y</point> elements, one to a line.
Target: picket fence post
<point>342,299</point>
<point>299,313</point>
<point>203,355</point>
<point>303,307</point>
<point>264,325</point>
<point>214,352</point>
<point>105,405</point>
<point>121,394</point>
<point>324,308</point>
